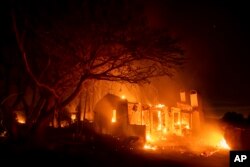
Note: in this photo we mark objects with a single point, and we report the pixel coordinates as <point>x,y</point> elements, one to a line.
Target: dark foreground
<point>103,154</point>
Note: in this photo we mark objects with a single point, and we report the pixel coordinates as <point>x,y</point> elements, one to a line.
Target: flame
<point>178,123</point>
<point>123,97</point>
<point>223,144</point>
<point>148,137</point>
<point>113,116</point>
<point>213,136</point>
<point>73,117</point>
<point>165,130</point>
<point>160,106</point>
<point>149,147</point>
<point>159,120</point>
<point>187,127</point>
<point>21,119</point>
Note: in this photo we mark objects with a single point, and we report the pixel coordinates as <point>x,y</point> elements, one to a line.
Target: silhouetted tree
<point>248,119</point>
<point>233,118</point>
<point>62,48</point>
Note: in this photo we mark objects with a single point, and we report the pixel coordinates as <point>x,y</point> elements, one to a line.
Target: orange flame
<point>165,131</point>
<point>20,118</point>
<point>123,97</point>
<point>160,106</point>
<point>148,137</point>
<point>159,120</point>
<point>73,117</point>
<point>149,147</point>
<point>223,144</point>
<point>113,116</point>
<point>187,127</point>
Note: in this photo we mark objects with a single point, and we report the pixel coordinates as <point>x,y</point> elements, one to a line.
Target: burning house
<point>188,113</point>
<point>161,120</point>
<point>117,116</point>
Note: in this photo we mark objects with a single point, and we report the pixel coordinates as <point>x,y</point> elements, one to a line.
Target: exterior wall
<point>121,127</point>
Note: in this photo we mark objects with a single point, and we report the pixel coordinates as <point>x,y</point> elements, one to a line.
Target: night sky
<point>215,37</point>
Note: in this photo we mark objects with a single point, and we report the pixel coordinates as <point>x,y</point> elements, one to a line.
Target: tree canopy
<point>112,43</point>
<point>65,44</point>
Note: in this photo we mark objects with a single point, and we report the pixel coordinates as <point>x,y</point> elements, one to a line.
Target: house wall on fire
<point>115,115</point>
<point>182,119</point>
<point>191,112</point>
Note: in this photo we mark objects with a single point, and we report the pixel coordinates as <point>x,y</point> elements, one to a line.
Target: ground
<point>101,153</point>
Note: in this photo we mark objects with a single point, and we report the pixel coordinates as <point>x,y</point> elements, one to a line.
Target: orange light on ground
<point>113,116</point>
<point>214,137</point>
<point>149,147</point>
<point>223,144</point>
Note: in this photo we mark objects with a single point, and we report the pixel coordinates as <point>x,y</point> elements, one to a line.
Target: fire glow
<point>113,116</point>
<point>160,106</point>
<point>20,118</point>
<point>223,144</point>
<point>159,120</point>
<point>162,127</point>
<point>123,97</point>
<point>73,117</point>
<point>149,147</point>
<point>148,137</point>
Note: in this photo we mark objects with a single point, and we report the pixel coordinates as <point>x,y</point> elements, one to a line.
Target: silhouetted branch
<point>20,45</point>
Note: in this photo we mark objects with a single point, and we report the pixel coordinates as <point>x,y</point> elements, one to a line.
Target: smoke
<point>159,90</point>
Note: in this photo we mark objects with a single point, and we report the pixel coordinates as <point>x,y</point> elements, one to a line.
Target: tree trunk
<point>44,111</point>
<point>76,92</point>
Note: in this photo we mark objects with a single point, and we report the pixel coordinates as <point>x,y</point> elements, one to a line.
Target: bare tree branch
<point>20,45</point>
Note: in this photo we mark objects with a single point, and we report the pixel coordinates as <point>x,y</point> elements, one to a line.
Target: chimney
<point>183,96</point>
